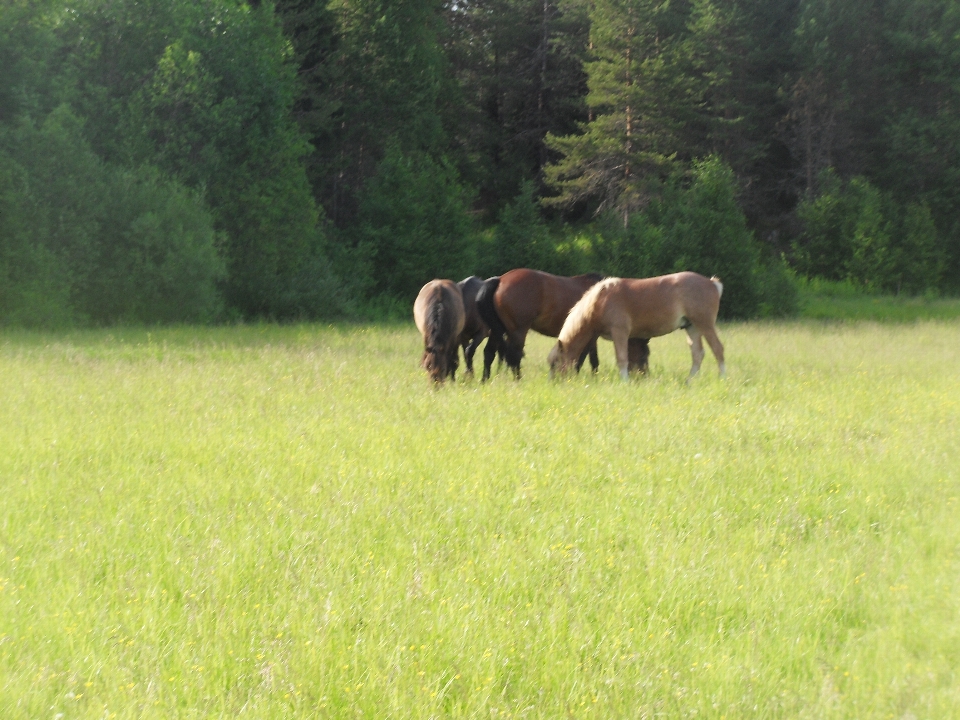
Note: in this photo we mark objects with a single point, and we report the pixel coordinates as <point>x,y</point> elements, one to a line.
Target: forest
<point>180,161</point>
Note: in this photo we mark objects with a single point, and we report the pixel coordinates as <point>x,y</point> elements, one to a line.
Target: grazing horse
<point>474,328</point>
<point>618,309</point>
<point>438,312</point>
<point>523,300</point>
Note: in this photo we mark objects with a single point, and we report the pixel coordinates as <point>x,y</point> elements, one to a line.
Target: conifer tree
<point>520,64</point>
<point>629,142</point>
<point>660,94</point>
<point>391,85</point>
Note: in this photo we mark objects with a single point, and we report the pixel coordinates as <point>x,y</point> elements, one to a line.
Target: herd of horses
<point>576,310</point>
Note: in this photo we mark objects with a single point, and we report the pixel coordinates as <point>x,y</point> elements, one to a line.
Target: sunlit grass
<point>826,300</point>
<point>291,522</point>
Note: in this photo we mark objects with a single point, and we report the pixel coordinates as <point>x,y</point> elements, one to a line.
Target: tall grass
<point>291,522</point>
<point>828,300</point>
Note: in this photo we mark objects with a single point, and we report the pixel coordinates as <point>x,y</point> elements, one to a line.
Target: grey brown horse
<point>438,312</point>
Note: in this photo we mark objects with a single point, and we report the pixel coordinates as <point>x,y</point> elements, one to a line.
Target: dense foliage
<point>199,160</point>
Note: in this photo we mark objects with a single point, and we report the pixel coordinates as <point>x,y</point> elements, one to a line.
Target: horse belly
<point>648,325</point>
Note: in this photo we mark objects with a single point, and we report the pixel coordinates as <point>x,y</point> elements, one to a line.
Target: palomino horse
<point>438,312</point>
<point>618,309</point>
<point>474,328</point>
<point>523,300</point>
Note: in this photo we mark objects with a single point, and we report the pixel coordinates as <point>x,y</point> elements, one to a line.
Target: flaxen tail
<point>719,285</point>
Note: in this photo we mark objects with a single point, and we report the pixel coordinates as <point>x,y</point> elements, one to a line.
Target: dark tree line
<point>185,160</point>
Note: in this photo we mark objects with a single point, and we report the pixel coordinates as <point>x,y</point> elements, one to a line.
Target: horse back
<point>536,300</point>
<point>517,298</point>
<point>438,311</point>
<point>559,296</point>
<point>659,305</point>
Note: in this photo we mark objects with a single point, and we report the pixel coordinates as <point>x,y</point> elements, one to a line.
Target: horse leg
<point>469,350</point>
<point>621,340</point>
<point>589,351</point>
<point>489,353</point>
<point>581,359</point>
<point>513,351</point>
<point>695,341</point>
<point>716,347</point>
<point>639,351</point>
<point>453,360</point>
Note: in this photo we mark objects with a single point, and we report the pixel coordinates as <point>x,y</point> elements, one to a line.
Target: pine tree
<point>392,82</point>
<point>520,64</point>
<point>642,94</point>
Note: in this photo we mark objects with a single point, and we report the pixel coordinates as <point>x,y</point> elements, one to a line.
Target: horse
<point>438,312</point>
<point>474,328</point>
<point>522,300</point>
<point>618,309</point>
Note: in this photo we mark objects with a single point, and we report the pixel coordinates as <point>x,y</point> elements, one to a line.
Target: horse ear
<point>560,345</point>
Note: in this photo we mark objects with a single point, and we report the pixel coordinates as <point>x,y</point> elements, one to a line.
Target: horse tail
<point>719,285</point>
<point>440,327</point>
<point>488,311</point>
<point>485,306</point>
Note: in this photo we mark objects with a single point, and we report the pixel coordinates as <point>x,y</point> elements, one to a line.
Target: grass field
<point>824,300</point>
<point>275,522</point>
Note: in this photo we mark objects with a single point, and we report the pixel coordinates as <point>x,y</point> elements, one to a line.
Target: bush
<point>704,230</point>
<point>86,241</point>
<point>414,225</point>
<point>778,289</point>
<point>696,225</point>
<point>626,252</point>
<point>855,232</point>
<point>34,285</point>
<point>520,238</point>
<point>922,259</point>
<point>156,258</point>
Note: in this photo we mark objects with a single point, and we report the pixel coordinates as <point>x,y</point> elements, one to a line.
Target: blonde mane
<point>581,313</point>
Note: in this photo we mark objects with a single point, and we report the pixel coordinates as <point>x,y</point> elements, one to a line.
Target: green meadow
<point>282,522</point>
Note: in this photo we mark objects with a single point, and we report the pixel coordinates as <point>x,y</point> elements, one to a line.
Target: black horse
<point>474,327</point>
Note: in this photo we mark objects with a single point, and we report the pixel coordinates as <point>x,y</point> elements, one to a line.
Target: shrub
<point>520,238</point>
<point>156,258</point>
<point>853,231</point>
<point>34,284</point>
<point>922,258</point>
<point>704,230</point>
<point>414,224</point>
<point>696,225</point>
<point>82,240</point>
<point>777,288</point>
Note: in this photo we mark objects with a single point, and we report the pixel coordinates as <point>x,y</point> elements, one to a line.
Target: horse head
<point>435,363</point>
<point>557,359</point>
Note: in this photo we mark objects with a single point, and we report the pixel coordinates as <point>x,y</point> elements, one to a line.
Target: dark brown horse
<point>523,300</point>
<point>474,328</point>
<point>619,309</point>
<point>438,312</point>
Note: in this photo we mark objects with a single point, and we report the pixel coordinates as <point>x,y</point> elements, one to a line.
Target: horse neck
<point>577,342</point>
<point>578,330</point>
